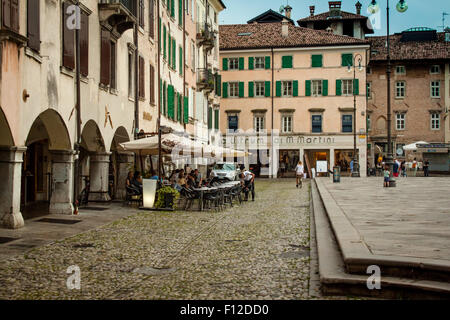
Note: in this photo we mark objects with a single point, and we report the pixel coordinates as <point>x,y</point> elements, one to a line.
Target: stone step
<point>357,256</point>
<point>335,280</point>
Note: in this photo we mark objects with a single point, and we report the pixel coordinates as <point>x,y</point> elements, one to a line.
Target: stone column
<point>125,164</point>
<point>98,177</point>
<point>332,159</point>
<point>11,159</point>
<point>61,200</point>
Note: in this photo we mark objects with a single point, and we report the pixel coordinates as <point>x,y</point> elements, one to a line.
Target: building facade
<point>419,92</point>
<point>288,95</point>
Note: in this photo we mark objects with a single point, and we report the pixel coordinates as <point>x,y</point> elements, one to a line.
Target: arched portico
<point>120,163</point>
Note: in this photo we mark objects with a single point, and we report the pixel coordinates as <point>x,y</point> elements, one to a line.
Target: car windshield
<point>224,166</point>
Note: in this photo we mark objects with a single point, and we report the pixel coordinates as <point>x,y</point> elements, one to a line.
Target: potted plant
<point>167,198</point>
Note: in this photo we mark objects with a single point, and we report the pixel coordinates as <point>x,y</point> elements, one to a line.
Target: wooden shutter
<point>69,42</point>
<point>267,62</point>
<point>181,61</point>
<point>165,41</point>
<point>278,89</point>
<point>151,19</point>
<point>152,84</point>
<point>286,62</point>
<point>180,12</point>
<point>241,89</point>
<point>33,24</point>
<point>141,13</point>
<point>180,109</point>
<point>216,119</point>
<point>141,77</point>
<point>308,88</point>
<point>84,45</point>
<point>356,87</point>
<point>15,15</point>
<point>325,88</point>
<point>316,60</point>
<point>218,84</point>
<point>251,63</point>
<point>251,89</point>
<point>225,90</point>
<point>347,59</point>
<point>241,63</point>
<point>267,89</point>
<point>6,13</point>
<point>186,109</point>
<point>225,64</point>
<point>113,82</point>
<point>171,101</point>
<point>170,50</point>
<point>172,8</point>
<point>174,54</point>
<point>161,101</point>
<point>210,111</point>
<point>295,88</point>
<point>105,57</point>
<point>338,87</point>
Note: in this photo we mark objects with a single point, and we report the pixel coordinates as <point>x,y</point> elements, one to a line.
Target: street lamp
<point>355,171</point>
<point>402,6</point>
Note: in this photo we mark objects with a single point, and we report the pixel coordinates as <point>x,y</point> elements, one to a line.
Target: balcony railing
<point>120,14</point>
<point>206,37</point>
<point>205,80</point>
<point>130,5</point>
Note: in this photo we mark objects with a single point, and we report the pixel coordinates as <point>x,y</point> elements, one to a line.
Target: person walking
<point>395,168</point>
<point>414,167</point>
<point>299,172</point>
<point>386,175</point>
<point>249,184</point>
<point>403,168</point>
<point>426,168</point>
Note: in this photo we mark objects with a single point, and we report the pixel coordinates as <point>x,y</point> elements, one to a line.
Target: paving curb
<point>335,280</point>
<point>357,256</point>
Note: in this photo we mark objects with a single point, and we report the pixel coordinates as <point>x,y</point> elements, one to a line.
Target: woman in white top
<point>299,171</point>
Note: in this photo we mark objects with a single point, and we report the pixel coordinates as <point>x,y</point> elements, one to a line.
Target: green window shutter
<point>225,90</point>
<point>308,88</point>
<point>347,59</point>
<point>181,61</point>
<point>286,62</point>
<point>171,101</point>
<point>338,87</point>
<point>241,63</point>
<point>172,8</point>
<point>161,99</point>
<point>186,109</point>
<point>165,41</point>
<point>316,60</point>
<point>180,12</point>
<point>216,119</point>
<point>225,64</point>
<point>325,88</point>
<point>251,89</point>
<point>165,98</point>
<point>219,84</point>
<point>251,63</point>
<point>356,87</point>
<point>209,118</point>
<point>241,89</point>
<point>267,88</point>
<point>295,88</point>
<point>267,62</point>
<point>180,107</point>
<point>159,34</point>
<point>278,89</point>
<point>174,55</point>
<point>170,50</point>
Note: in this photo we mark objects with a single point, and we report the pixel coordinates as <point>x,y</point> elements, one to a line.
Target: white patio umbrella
<point>413,146</point>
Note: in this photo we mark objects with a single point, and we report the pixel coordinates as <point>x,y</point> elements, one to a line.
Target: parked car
<point>225,170</point>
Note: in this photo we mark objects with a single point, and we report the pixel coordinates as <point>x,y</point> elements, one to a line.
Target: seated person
<point>194,179</point>
<point>129,179</point>
<point>137,181</point>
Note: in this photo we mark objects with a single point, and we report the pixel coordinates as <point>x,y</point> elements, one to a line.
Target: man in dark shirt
<point>426,167</point>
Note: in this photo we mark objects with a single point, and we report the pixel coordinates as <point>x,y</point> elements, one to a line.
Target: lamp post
<point>402,6</point>
<point>355,171</point>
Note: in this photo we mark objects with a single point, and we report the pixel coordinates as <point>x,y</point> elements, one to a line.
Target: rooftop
<point>269,35</point>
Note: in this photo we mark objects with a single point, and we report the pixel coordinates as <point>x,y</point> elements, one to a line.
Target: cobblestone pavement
<point>259,250</point>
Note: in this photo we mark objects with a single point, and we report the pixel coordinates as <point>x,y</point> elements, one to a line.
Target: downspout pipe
<point>136,82</point>
<point>158,125</point>
<point>78,124</point>
<point>271,122</point>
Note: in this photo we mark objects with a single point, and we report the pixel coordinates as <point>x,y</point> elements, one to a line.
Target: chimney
<point>358,6</point>
<point>288,10</point>
<point>311,10</point>
<point>285,28</point>
<point>335,8</point>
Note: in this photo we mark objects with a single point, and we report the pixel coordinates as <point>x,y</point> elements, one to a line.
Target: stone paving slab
<point>410,222</point>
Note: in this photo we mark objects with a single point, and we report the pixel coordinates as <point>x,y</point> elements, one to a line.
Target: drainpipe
<point>78,125</point>
<point>136,81</point>
<point>184,63</point>
<point>158,124</point>
<point>271,131</point>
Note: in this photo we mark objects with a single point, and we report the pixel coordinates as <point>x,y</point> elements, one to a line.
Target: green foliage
<point>161,195</point>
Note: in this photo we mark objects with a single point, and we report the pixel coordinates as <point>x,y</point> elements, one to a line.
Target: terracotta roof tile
<point>325,16</point>
<point>268,35</point>
<point>412,50</point>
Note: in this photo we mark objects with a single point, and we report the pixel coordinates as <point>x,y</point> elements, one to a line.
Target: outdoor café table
<point>202,190</point>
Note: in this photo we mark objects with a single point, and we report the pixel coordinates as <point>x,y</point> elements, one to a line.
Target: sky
<point>420,13</point>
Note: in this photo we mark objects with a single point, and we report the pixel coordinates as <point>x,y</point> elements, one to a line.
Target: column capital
<point>62,156</point>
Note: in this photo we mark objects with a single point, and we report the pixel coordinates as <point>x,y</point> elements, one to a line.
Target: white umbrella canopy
<point>413,146</point>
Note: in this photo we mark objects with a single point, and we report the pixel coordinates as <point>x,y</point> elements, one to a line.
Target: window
<point>286,62</point>
<point>286,88</point>
<point>152,84</point>
<point>347,123</point>
<point>436,69</point>
<point>130,74</point>
<point>69,43</point>
<point>435,121</point>
<point>193,56</point>
<point>316,60</point>
<point>233,64</point>
<point>113,82</point>
<point>347,59</point>
<point>435,89</point>
<point>400,89</point>
<point>369,70</point>
<point>316,123</point>
<point>10,14</point>
<point>33,22</point>
<point>259,88</point>
<point>141,77</point>
<point>369,122</point>
<point>187,6</point>
<point>105,58</point>
<point>400,121</point>
<point>317,87</point>
<point>232,123</point>
<point>347,87</point>
<point>286,123</point>
<point>141,13</point>
<point>369,90</point>
<point>234,89</point>
<point>258,123</point>
<point>400,70</point>
<point>259,63</point>
<point>151,18</point>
